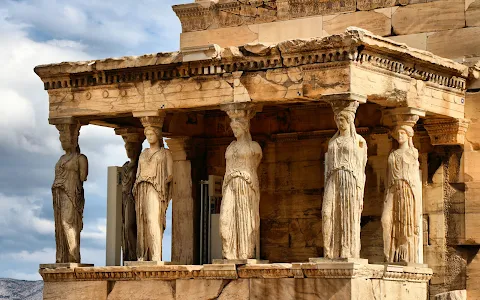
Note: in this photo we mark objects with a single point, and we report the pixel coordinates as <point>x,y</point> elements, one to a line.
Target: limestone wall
<point>449,28</point>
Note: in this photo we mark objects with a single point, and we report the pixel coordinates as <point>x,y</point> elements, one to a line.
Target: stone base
<point>321,260</point>
<point>284,281</point>
<point>64,265</point>
<point>250,261</point>
<point>407,264</point>
<point>144,263</point>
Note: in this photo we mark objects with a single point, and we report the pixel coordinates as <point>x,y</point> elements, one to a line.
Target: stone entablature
<point>230,271</point>
<point>206,14</point>
<point>362,66</point>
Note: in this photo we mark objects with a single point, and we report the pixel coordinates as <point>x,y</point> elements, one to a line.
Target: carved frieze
<point>446,131</point>
<point>231,271</point>
<point>210,15</point>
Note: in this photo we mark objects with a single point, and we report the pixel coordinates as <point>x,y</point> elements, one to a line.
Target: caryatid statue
<point>133,138</point>
<point>71,171</point>
<point>152,191</point>
<point>401,215</point>
<point>239,212</point>
<point>345,164</point>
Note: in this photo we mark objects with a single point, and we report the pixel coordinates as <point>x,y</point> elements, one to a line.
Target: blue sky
<point>34,32</point>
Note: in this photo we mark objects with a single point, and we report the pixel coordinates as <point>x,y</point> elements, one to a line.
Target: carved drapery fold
<point>402,217</point>
<point>239,212</point>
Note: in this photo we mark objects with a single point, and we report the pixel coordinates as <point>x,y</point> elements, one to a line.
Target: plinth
<point>135,263</point>
<point>249,261</point>
<point>277,281</point>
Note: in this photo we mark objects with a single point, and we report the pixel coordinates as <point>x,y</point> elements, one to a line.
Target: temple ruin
<point>279,105</point>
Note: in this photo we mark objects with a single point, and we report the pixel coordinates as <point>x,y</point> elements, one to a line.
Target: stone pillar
<point>183,235</point>
<point>71,171</point>
<point>239,212</point>
<point>152,189</point>
<point>345,163</point>
<point>133,138</point>
<point>450,194</point>
<point>402,218</point>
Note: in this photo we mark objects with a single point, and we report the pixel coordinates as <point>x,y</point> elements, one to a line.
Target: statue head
<point>344,112</point>
<point>133,150</point>
<point>69,137</point>
<point>240,126</point>
<point>344,121</point>
<point>403,134</point>
<point>153,134</point>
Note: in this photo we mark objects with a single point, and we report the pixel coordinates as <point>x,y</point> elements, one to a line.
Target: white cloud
<point>96,231</point>
<point>34,32</point>
<point>44,255</point>
<point>22,214</point>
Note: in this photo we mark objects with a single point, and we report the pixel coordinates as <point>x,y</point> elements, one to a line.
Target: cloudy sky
<point>34,32</point>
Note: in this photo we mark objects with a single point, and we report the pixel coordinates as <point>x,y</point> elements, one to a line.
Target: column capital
<point>66,121</point>
<point>446,131</point>
<point>344,97</point>
<point>131,134</point>
<point>179,147</point>
<point>241,109</point>
<point>149,113</point>
<point>400,116</point>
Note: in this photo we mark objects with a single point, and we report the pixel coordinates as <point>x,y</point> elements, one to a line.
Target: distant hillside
<point>12,289</point>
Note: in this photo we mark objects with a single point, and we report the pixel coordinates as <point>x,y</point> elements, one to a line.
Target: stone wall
<point>427,25</point>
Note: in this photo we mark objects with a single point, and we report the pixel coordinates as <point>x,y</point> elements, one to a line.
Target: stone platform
<point>280,281</point>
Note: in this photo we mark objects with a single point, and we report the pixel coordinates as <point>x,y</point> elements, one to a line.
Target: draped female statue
<point>239,212</point>
<point>133,146</point>
<point>345,164</point>
<point>152,192</point>
<point>400,218</point>
<point>71,171</point>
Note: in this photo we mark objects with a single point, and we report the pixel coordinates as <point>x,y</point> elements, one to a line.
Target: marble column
<point>71,171</point>
<point>344,186</point>
<point>183,234</point>
<point>133,138</point>
<point>402,217</point>
<point>239,212</point>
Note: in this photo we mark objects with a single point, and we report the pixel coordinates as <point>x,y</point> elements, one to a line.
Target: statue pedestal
<point>144,263</point>
<point>280,281</point>
<point>64,266</point>
<point>338,260</point>
<point>249,261</point>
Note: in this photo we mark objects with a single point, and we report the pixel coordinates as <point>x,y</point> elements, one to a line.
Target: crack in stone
<point>225,283</point>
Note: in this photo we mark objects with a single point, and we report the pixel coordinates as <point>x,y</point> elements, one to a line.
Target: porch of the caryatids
<point>344,186</point>
<point>402,215</point>
<point>239,212</point>
<point>71,171</point>
<point>183,234</point>
<point>152,188</point>
<point>133,138</point>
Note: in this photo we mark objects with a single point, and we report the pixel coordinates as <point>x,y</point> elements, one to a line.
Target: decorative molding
<point>446,131</point>
<point>233,13</point>
<point>355,46</point>
<point>230,271</point>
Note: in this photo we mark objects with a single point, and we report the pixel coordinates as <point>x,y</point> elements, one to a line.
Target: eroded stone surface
<point>79,290</point>
<point>145,290</point>
<point>240,215</point>
<point>453,295</point>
